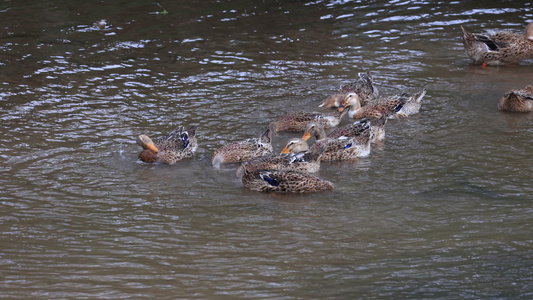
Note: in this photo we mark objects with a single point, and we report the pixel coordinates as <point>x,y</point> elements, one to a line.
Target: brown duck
<point>243,150</point>
<point>261,180</point>
<point>296,121</point>
<point>363,87</point>
<point>376,110</point>
<point>500,48</point>
<point>348,142</point>
<point>517,100</point>
<point>299,158</point>
<point>261,175</point>
<point>169,149</point>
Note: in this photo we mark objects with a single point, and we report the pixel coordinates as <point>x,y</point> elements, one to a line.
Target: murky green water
<point>441,209</point>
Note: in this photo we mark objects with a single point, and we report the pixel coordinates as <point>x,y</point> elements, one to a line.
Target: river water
<point>441,209</point>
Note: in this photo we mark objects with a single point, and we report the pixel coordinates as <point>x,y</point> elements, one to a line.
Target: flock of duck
<point>291,170</point>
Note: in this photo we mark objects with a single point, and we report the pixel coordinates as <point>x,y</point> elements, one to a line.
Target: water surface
<point>441,209</point>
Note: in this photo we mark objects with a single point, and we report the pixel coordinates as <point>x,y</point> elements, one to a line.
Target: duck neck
<point>320,133</point>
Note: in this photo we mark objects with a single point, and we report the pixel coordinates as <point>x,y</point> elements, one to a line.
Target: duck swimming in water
<point>243,150</point>
<point>382,108</point>
<point>363,87</point>
<point>261,180</point>
<point>348,142</point>
<point>296,121</point>
<point>299,158</point>
<point>517,100</point>
<point>169,149</point>
<point>500,48</point>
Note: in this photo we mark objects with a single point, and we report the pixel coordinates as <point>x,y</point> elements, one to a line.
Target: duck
<point>296,121</point>
<point>285,172</point>
<point>517,100</point>
<point>385,107</point>
<point>355,143</point>
<point>411,107</point>
<point>350,130</point>
<point>176,145</point>
<point>364,87</point>
<point>298,158</point>
<point>243,150</point>
<point>283,181</point>
<point>500,48</point>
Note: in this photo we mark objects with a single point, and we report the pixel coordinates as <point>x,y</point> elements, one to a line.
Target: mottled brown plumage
<point>411,106</point>
<point>384,107</point>
<point>243,150</point>
<point>169,149</point>
<point>517,100</point>
<point>296,159</point>
<point>348,142</point>
<point>363,87</point>
<point>286,172</point>
<point>501,48</point>
<point>283,181</point>
<point>296,121</point>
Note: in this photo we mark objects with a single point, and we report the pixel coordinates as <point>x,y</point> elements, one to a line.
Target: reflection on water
<point>439,210</point>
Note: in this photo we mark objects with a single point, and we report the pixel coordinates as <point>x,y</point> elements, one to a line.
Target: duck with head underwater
<point>243,150</point>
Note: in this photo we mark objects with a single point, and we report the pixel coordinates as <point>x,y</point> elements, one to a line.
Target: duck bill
<point>341,108</point>
<point>285,150</point>
<point>306,136</point>
<point>152,148</point>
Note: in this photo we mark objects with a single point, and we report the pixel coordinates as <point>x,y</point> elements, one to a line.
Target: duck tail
<point>417,97</point>
<point>266,136</point>
<point>192,130</point>
<point>273,128</point>
<point>367,78</point>
<point>466,35</point>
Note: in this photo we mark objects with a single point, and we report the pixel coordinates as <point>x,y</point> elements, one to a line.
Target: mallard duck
<point>364,87</point>
<point>283,181</point>
<point>174,146</point>
<point>353,144</point>
<point>355,129</point>
<point>501,48</point>
<point>350,130</point>
<point>243,150</point>
<point>385,107</point>
<point>298,158</point>
<point>411,107</point>
<point>296,121</point>
<point>517,100</point>
<point>287,172</point>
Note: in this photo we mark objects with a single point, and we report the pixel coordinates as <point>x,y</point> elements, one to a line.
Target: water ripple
<point>438,210</point>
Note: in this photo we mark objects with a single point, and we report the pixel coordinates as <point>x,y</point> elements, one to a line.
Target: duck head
<point>149,154</point>
<point>314,129</point>
<point>295,145</point>
<point>351,101</point>
<point>147,144</point>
